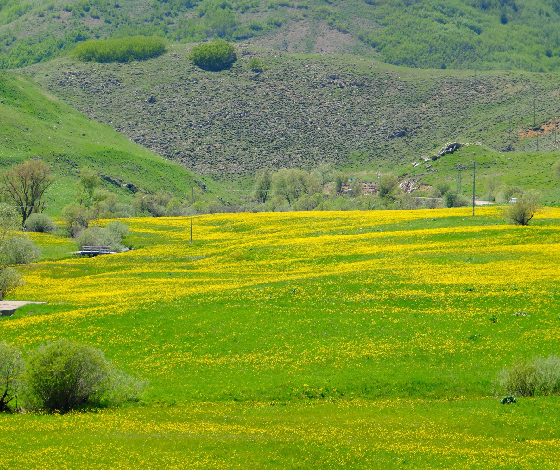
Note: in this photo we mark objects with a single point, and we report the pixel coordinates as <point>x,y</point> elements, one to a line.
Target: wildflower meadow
<point>302,340</point>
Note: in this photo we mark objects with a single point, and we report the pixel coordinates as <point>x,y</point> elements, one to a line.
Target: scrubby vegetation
<point>120,50</point>
<point>41,223</point>
<point>62,376</point>
<point>217,55</point>
<point>537,376</point>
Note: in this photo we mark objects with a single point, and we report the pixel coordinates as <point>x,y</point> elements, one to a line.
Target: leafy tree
<point>263,185</point>
<point>524,209</point>
<point>89,182</point>
<point>356,187</point>
<point>215,56</point>
<point>340,179</point>
<point>25,184</point>
<point>387,185</point>
<point>292,184</point>
<point>11,367</point>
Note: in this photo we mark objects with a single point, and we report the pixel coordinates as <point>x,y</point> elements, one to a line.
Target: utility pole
<point>534,113</point>
<point>537,142</point>
<point>509,128</point>
<point>473,185</point>
<point>459,178</point>
<point>555,127</point>
<point>192,202</point>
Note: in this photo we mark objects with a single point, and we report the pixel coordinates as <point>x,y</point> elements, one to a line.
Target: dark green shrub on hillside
<point>120,50</point>
<point>215,56</point>
<point>41,223</point>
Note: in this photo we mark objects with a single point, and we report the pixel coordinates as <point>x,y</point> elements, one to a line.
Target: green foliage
<point>537,376</point>
<point>110,236</point>
<point>556,170</point>
<point>387,185</point>
<point>120,50</point>
<point>256,64</point>
<point>523,209</point>
<point>217,55</point>
<point>63,375</point>
<point>40,223</point>
<point>263,185</point>
<point>11,367</point>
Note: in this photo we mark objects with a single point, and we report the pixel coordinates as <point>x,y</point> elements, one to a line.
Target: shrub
<point>62,376</point>
<point>10,279</point>
<point>523,210</point>
<point>40,223</point>
<point>18,249</point>
<point>97,236</point>
<point>256,64</point>
<point>120,50</point>
<point>537,376</point>
<point>215,56</point>
<point>11,367</point>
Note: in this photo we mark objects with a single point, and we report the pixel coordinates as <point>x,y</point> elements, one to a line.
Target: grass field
<point>302,340</point>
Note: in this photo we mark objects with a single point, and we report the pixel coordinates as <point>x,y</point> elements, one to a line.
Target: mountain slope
<point>461,34</point>
<point>304,110</point>
<point>36,123</point>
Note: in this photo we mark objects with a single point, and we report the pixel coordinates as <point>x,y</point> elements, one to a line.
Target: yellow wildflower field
<point>304,340</point>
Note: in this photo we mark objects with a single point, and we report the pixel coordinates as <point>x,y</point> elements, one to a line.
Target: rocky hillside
<point>303,110</point>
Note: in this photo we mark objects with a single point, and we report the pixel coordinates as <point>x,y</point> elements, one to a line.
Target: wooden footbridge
<point>95,251</point>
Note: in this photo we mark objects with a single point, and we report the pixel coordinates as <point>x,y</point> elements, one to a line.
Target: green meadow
<point>302,340</point>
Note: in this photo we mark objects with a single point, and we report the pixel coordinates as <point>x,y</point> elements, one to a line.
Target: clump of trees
<point>120,50</point>
<point>63,376</point>
<point>217,55</point>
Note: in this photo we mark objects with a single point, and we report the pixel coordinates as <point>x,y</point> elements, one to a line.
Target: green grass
<point>357,340</point>
<point>459,34</point>
<point>36,123</point>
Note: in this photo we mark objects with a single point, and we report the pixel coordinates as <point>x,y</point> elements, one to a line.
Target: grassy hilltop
<point>483,34</point>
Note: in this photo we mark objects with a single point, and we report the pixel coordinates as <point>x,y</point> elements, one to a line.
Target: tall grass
<point>120,50</point>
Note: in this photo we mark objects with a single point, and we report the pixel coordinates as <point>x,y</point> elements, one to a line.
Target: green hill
<point>359,114</point>
<point>463,34</point>
<point>36,123</point>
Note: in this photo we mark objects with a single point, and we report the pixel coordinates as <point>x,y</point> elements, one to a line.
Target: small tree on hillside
<point>387,185</point>
<point>524,209</point>
<point>25,184</point>
<point>214,56</point>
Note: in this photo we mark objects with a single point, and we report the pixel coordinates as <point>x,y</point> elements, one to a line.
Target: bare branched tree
<point>25,184</point>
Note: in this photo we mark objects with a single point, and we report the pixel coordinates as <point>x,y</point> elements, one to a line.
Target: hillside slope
<point>305,110</point>
<point>35,123</point>
<point>460,34</point>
